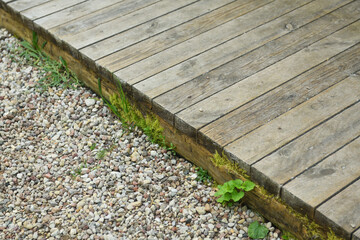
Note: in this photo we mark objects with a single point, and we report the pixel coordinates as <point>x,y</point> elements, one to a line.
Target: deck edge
<point>270,206</point>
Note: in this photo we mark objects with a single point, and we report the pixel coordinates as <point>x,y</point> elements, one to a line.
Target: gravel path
<point>54,186</point>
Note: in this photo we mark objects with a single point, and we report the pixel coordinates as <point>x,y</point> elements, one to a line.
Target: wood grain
<point>265,108</point>
<point>342,211</point>
<point>74,12</point>
<point>171,37</point>
<point>215,57</point>
<point>287,162</point>
<point>99,17</point>
<point>21,5</point>
<point>126,22</point>
<point>271,77</point>
<point>218,79</point>
<point>48,8</point>
<point>295,122</point>
<point>318,183</point>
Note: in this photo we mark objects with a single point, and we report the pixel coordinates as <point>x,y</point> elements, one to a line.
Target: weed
<point>257,230</point>
<point>101,154</point>
<point>93,146</point>
<point>203,175</point>
<point>77,171</point>
<point>232,191</point>
<point>56,73</point>
<point>131,116</point>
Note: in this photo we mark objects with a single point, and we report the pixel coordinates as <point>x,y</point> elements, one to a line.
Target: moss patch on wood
<point>223,161</point>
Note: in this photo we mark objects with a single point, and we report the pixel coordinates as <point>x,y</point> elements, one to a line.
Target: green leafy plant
<point>256,230</point>
<point>56,73</point>
<point>130,116</point>
<point>232,191</point>
<point>203,175</point>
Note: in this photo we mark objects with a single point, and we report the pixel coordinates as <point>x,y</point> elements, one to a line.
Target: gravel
<point>53,185</point>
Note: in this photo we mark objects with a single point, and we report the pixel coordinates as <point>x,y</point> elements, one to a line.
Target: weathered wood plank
<point>171,37</point>
<point>182,62</point>
<point>75,12</point>
<point>21,5</point>
<point>320,182</point>
<point>216,80</point>
<point>281,166</point>
<point>265,108</point>
<point>215,57</point>
<point>121,51</point>
<point>356,235</point>
<point>342,211</point>
<point>269,137</point>
<point>102,16</point>
<point>48,8</point>
<point>269,78</point>
<point>121,24</point>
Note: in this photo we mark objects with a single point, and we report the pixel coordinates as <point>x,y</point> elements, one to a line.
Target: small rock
<point>89,102</point>
<point>207,207</point>
<point>73,232</point>
<point>200,210</point>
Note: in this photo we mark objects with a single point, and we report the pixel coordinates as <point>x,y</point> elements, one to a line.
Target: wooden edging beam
<point>266,204</point>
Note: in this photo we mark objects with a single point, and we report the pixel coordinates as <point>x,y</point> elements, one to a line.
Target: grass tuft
<point>56,73</point>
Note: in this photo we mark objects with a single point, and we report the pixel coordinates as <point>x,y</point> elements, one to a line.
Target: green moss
<point>223,161</point>
<point>331,236</point>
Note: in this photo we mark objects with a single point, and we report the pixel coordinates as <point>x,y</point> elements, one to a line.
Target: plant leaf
<point>227,196</point>
<point>237,183</point>
<point>257,231</point>
<point>248,185</point>
<point>236,196</point>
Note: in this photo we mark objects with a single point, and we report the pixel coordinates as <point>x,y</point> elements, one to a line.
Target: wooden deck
<point>275,84</point>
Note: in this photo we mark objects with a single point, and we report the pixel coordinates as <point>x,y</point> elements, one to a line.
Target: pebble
<point>54,185</point>
<point>90,102</point>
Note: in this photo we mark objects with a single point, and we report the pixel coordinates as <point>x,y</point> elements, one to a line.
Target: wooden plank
<point>320,182</point>
<point>356,235</point>
<point>244,91</point>
<point>250,63</point>
<point>99,17</point>
<point>195,66</point>
<point>286,163</point>
<point>49,8</point>
<point>269,137</point>
<point>75,12</point>
<point>342,212</point>
<point>265,108</point>
<point>126,22</point>
<point>21,5</point>
<point>201,23</point>
<point>162,71</point>
<point>171,37</point>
